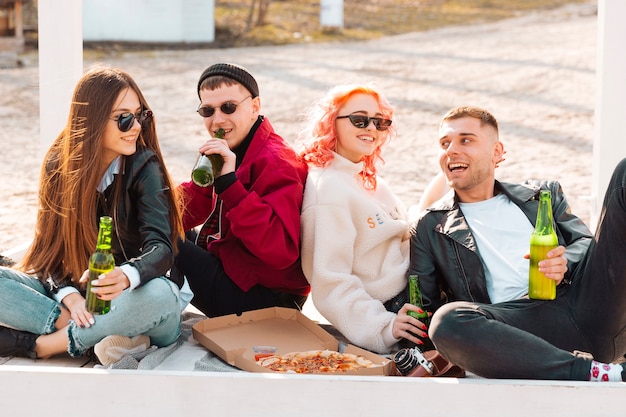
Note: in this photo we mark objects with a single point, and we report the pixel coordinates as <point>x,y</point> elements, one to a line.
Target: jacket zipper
<point>464,275</point>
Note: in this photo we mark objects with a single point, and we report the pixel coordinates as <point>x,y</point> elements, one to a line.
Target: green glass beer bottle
<point>415,298</point>
<point>208,166</point>
<point>100,262</point>
<point>542,241</point>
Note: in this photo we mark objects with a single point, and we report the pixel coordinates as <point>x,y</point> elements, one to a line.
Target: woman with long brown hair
<point>106,161</point>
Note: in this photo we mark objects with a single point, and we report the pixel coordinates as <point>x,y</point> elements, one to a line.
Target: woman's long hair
<point>318,140</point>
<point>66,228</point>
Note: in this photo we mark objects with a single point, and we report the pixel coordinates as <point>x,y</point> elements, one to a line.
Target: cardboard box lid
<point>232,338</point>
<point>287,329</point>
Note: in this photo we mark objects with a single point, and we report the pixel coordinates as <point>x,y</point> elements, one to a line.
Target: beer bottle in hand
<point>100,262</point>
<point>415,298</point>
<point>542,241</point>
<point>208,166</point>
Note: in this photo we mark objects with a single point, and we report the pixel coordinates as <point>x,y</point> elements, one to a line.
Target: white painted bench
<point>173,389</point>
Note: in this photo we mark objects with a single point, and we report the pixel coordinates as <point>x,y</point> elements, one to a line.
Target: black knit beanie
<point>233,71</point>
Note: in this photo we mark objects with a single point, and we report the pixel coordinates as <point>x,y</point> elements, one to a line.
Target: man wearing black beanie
<point>246,254</point>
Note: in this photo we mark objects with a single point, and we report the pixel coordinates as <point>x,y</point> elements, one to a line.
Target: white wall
<point>149,20</point>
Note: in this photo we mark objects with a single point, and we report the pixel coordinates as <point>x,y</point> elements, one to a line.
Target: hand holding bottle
<point>554,266</point>
<point>408,327</point>
<point>100,263</point>
<point>110,285</point>
<point>542,241</point>
<point>209,165</point>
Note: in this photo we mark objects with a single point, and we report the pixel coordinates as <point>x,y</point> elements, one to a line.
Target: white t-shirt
<point>502,232</point>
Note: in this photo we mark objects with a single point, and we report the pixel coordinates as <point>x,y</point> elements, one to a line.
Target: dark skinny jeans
<point>532,339</point>
<point>215,294</point>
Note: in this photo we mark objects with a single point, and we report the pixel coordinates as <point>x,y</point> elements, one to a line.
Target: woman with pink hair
<point>355,247</point>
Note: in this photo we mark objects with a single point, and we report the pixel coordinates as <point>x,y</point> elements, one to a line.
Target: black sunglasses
<point>125,121</point>
<point>227,108</point>
<point>361,122</point>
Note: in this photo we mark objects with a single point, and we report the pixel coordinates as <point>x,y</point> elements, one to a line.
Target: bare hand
<point>555,265</point>
<point>75,303</point>
<point>407,327</point>
<point>110,285</point>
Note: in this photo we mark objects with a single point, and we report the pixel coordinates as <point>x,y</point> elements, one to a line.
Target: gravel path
<point>536,73</point>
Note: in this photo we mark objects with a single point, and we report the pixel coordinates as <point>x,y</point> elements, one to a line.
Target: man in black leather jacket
<point>444,252</point>
<point>470,253</point>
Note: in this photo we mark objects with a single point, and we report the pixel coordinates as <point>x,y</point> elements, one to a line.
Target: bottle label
<point>415,298</point>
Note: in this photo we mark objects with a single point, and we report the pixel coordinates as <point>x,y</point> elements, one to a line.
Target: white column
<point>60,63</point>
<point>609,145</point>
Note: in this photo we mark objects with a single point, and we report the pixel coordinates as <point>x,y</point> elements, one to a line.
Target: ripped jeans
<point>152,309</point>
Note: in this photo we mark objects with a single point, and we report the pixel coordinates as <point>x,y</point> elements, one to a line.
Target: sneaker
<point>112,348</point>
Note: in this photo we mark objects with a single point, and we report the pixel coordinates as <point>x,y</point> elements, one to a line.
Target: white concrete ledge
<point>35,391</point>
<point>16,253</point>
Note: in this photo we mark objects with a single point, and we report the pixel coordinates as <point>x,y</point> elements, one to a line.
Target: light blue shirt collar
<point>107,178</point>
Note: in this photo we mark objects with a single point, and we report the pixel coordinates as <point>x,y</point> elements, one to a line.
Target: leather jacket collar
<point>454,224</point>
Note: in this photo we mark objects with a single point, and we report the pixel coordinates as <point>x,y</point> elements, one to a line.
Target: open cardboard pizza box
<point>232,338</point>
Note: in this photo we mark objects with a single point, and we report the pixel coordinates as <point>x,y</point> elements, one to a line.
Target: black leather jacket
<point>444,253</point>
<point>141,224</point>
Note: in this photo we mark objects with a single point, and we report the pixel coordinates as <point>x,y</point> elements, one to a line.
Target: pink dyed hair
<point>319,139</point>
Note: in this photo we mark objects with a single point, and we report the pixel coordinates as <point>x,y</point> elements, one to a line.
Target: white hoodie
<point>355,252</point>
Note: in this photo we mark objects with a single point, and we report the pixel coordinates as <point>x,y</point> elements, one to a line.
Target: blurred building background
<point>11,30</point>
<point>150,21</point>
<point>112,21</point>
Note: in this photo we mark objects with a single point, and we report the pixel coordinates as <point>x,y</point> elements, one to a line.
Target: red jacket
<point>260,221</point>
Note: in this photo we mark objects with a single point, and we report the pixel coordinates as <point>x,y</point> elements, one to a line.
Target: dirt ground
<point>536,73</point>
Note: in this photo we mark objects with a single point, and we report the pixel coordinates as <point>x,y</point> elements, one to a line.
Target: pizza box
<point>232,338</point>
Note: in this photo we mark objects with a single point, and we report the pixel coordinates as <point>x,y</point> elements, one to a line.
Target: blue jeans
<point>535,339</point>
<point>152,309</point>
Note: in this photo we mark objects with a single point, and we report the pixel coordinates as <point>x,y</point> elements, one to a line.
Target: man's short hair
<point>483,115</point>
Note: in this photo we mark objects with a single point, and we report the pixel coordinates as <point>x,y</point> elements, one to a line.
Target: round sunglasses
<point>228,107</point>
<point>125,121</point>
<point>361,122</point>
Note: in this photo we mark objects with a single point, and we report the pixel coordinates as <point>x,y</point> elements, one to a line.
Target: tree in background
<point>261,7</point>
